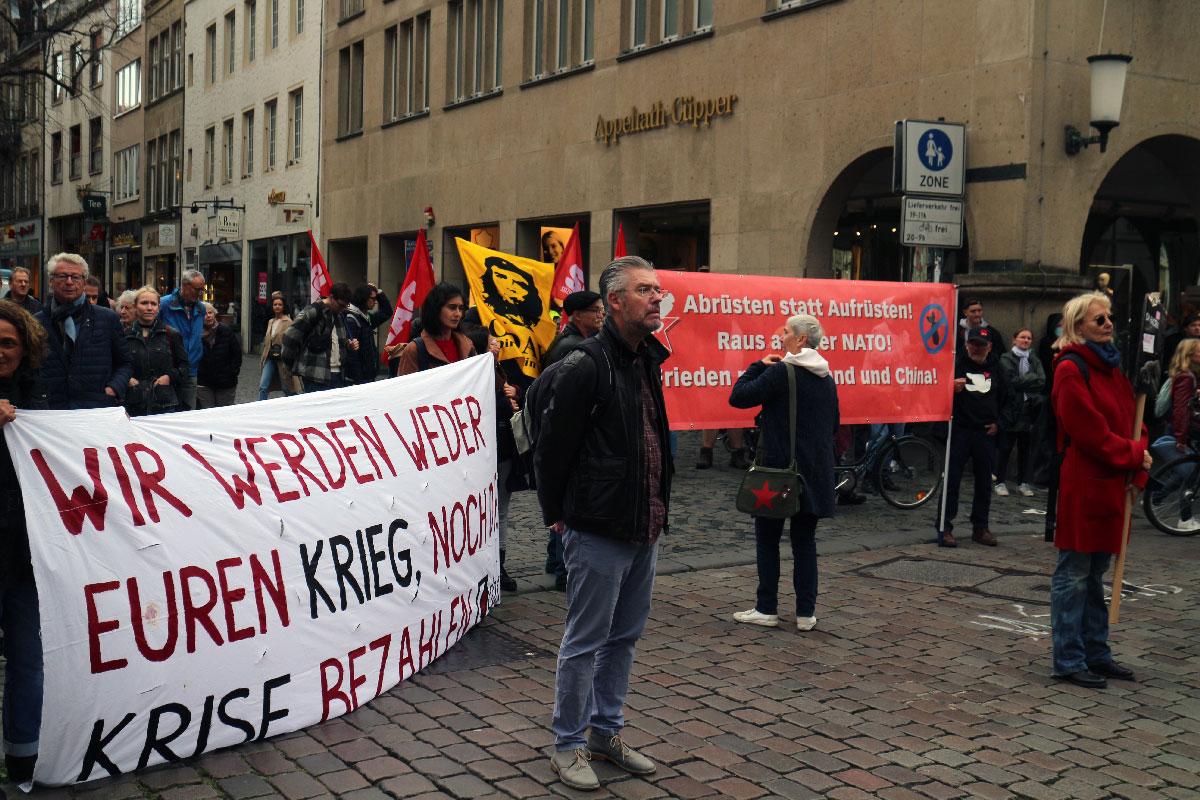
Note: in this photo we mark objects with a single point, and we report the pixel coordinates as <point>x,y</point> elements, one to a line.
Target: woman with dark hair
<point>440,341</point>
<point>160,361</point>
<point>22,346</point>
<point>368,309</point>
<point>275,373</point>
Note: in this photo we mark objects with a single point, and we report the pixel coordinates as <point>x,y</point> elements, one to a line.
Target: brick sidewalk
<point>927,677</point>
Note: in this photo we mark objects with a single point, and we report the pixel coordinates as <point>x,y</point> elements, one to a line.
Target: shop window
<point>476,32</point>
<point>672,236</point>
<point>545,238</point>
<point>561,36</point>
<point>76,153</point>
<point>95,146</point>
<point>248,143</point>
<point>406,65</point>
<point>125,169</point>
<point>350,89</point>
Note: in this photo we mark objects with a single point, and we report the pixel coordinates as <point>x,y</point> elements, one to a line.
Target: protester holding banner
<point>816,420</point>
<point>160,361</point>
<point>22,347</point>
<point>1022,401</point>
<point>87,365</point>
<point>275,373</point>
<point>368,309</point>
<point>316,344</point>
<point>603,467</point>
<point>978,387</point>
<point>1093,402</point>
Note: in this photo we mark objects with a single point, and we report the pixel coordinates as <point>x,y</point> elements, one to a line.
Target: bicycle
<point>906,470</point>
<point>1172,495</point>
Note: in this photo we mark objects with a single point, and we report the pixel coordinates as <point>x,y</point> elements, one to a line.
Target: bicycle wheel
<point>908,472</point>
<point>1172,498</point>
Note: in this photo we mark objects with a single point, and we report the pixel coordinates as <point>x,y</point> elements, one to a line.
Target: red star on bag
<point>764,497</point>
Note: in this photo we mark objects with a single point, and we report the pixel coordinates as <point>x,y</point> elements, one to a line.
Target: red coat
<point>1097,416</point>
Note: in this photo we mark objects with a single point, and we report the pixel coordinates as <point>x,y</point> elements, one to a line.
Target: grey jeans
<point>609,586</point>
<point>207,397</point>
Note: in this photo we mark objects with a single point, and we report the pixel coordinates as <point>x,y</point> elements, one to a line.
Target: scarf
<point>810,360</point>
<point>1022,365</point>
<point>1108,353</point>
<point>64,314</point>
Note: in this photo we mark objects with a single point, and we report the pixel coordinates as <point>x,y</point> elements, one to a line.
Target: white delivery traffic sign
<point>930,158</point>
<point>932,223</point>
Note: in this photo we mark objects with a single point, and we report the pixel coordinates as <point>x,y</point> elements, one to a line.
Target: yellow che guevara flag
<point>513,297</point>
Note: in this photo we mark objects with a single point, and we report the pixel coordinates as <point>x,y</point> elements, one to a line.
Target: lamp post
<point>1108,91</point>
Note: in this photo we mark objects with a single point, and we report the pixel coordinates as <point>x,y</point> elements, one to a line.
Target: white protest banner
<point>218,576</point>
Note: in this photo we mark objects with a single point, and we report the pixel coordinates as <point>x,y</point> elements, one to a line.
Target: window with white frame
<point>251,29</point>
<point>77,64</point>
<point>561,36</point>
<point>230,40</point>
<point>151,174</point>
<point>129,86</point>
<point>75,154</point>
<point>476,36</point>
<point>56,156</point>
<point>176,194</point>
<point>298,15</point>
<point>58,70</point>
<point>152,90</point>
<point>227,150</point>
<point>96,64</point>
<point>129,16</point>
<point>650,22</point>
<point>406,59</point>
<point>210,141</point>
<point>274,24</point>
<point>295,126</point>
<point>125,172</point>
<point>270,119</point>
<point>176,78</point>
<point>210,53</point>
<point>247,143</point>
<point>348,8</point>
<point>95,146</point>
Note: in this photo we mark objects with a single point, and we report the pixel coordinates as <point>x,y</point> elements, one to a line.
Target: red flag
<point>417,283</point>
<point>568,274</point>
<point>319,280</point>
<point>619,247</point>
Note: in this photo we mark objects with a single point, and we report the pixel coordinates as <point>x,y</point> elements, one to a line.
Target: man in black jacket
<point>978,393</point>
<point>603,466</point>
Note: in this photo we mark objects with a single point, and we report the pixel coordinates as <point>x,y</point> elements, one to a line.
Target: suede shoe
<point>1112,670</point>
<point>573,769</point>
<point>983,536</point>
<point>611,748</point>
<point>1085,678</point>
<point>947,540</point>
<point>756,617</point>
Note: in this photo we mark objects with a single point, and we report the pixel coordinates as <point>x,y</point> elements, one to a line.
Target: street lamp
<point>1108,90</point>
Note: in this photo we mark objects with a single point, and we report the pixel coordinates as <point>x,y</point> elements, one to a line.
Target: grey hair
<point>806,325</point>
<point>70,258</point>
<point>208,306</point>
<point>190,275</point>
<point>127,298</point>
<point>615,276</point>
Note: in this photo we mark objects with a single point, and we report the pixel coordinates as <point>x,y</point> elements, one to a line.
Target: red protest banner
<point>890,345</point>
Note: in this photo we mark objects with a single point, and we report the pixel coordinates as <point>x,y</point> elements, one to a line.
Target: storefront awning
<point>226,252</point>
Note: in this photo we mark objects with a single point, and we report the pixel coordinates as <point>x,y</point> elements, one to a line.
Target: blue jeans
<point>609,585</point>
<point>767,533</point>
<point>269,371</point>
<point>335,382</point>
<point>23,672</point>
<point>1078,613</point>
<point>879,433</point>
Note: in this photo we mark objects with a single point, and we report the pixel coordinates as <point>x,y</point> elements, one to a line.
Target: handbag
<point>275,352</point>
<point>772,492</point>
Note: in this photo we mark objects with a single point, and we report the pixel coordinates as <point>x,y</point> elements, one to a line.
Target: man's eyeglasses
<point>1103,318</point>
<point>67,277</point>
<point>647,291</point>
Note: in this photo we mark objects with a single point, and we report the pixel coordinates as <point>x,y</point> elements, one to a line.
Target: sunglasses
<point>1103,318</point>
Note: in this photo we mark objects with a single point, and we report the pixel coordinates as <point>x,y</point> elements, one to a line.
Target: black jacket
<point>978,404</point>
<point>222,360</point>
<point>567,340</point>
<point>160,353</point>
<point>24,391</point>
<point>817,420</point>
<point>589,461</point>
<point>98,360</point>
<point>30,303</point>
<point>362,365</point>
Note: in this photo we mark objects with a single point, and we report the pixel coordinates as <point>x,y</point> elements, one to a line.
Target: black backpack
<point>1059,455</point>
<point>527,423</point>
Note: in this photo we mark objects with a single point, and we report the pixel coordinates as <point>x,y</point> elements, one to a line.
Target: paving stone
<point>297,785</point>
<point>243,786</point>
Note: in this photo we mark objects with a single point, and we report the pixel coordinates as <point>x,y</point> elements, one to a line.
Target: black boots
<point>738,459</point>
<point>706,458</point>
<point>19,768</point>
<point>507,584</point>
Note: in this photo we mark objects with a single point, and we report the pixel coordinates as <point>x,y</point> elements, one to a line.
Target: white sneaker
<point>1026,490</point>
<point>1001,489</point>
<point>806,623</point>
<point>1188,524</point>
<point>755,617</point>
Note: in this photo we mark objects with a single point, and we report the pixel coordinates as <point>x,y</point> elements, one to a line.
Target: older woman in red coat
<point>1095,410</point>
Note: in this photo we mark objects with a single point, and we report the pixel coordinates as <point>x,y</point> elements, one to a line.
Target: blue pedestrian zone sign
<point>930,158</point>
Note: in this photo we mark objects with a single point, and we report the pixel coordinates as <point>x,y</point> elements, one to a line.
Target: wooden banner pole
<point>1114,605</point>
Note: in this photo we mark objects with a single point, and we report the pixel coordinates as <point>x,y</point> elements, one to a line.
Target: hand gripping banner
<point>209,578</point>
<point>890,345</point>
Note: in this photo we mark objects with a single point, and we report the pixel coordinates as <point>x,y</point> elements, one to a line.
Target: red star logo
<point>664,330</point>
<point>764,497</point>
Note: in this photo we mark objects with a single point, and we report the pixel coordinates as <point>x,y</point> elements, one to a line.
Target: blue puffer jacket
<point>175,315</point>
<point>100,359</point>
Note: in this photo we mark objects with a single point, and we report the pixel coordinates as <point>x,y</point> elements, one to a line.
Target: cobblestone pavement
<point>927,677</point>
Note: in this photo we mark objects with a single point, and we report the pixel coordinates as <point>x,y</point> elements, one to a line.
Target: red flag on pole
<point>619,247</point>
<point>319,280</point>
<point>568,274</point>
<point>417,283</point>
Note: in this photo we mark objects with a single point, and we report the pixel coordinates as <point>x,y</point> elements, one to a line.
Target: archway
<point>1142,228</point>
<point>855,232</point>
